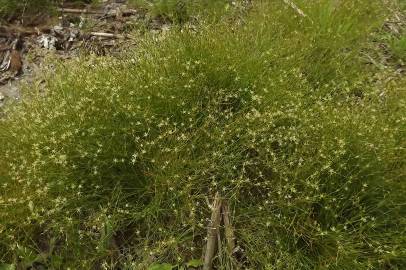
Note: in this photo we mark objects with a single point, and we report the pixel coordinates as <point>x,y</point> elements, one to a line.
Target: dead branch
<point>80,11</point>
<point>229,231</point>
<point>105,35</point>
<point>295,7</point>
<point>212,232</point>
<point>127,12</point>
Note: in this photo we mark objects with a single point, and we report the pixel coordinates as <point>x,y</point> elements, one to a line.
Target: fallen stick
<point>106,35</point>
<point>79,11</point>
<point>127,12</point>
<point>212,233</point>
<point>229,231</point>
<point>295,7</point>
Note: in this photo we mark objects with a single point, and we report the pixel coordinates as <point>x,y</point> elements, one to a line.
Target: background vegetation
<point>181,11</point>
<point>20,8</point>
<point>9,8</point>
<point>115,165</point>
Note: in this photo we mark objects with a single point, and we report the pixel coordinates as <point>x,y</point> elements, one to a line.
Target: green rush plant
<point>182,11</point>
<point>114,166</point>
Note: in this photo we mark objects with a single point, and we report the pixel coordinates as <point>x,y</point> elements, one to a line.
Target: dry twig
<point>79,11</point>
<point>229,231</point>
<point>295,7</point>
<point>105,35</point>
<point>212,233</point>
<point>127,12</point>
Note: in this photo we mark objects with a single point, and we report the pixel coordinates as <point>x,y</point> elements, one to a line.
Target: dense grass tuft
<point>25,8</point>
<point>181,11</point>
<point>9,8</point>
<point>114,165</point>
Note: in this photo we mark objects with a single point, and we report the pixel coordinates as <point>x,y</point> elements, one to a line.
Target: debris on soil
<point>80,29</point>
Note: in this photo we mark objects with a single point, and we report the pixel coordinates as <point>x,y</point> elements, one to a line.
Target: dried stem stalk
<point>229,231</point>
<point>212,233</point>
<point>295,7</point>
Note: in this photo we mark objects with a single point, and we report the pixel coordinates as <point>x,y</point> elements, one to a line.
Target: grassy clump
<point>25,8</point>
<point>114,165</point>
<point>181,11</point>
<point>398,46</point>
<point>10,8</point>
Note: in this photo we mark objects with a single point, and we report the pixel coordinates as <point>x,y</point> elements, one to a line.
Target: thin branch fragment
<point>127,12</point>
<point>79,11</point>
<point>229,231</point>
<point>105,35</point>
<point>295,7</point>
<point>212,233</point>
